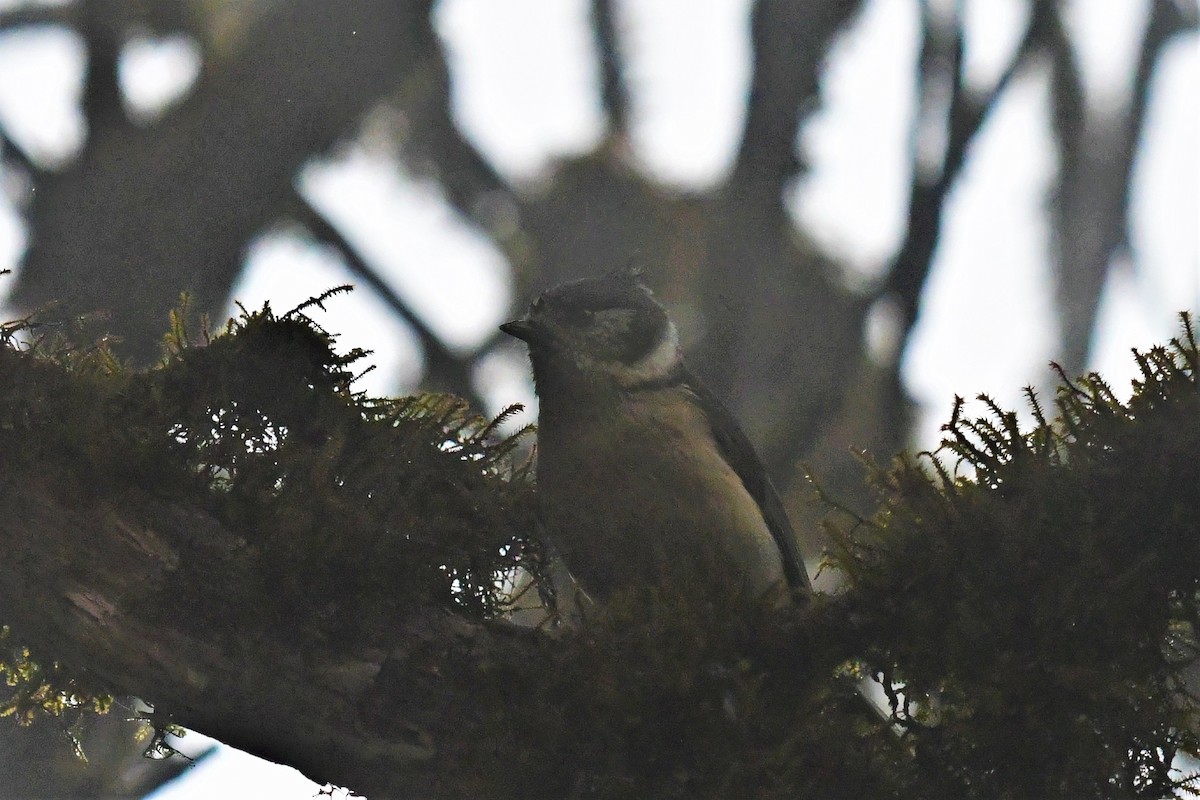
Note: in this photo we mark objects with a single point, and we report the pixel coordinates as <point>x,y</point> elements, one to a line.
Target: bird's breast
<point>644,495</point>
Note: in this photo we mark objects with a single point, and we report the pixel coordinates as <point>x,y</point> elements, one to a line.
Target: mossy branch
<point>240,538</point>
<point>1040,604</point>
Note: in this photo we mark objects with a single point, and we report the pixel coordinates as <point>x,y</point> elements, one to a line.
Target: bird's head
<point>603,331</point>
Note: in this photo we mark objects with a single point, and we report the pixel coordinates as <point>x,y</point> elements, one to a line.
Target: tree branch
<point>12,152</point>
<point>435,145</point>
<point>75,584</point>
<point>141,576</point>
<point>790,40</point>
<point>613,93</point>
<point>784,374</point>
<point>103,105</point>
<point>1097,148</point>
<point>445,370</point>
<point>967,113</point>
<point>38,15</point>
<point>154,211</point>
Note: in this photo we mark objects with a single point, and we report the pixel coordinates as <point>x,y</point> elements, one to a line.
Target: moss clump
<point>351,509</point>
<point>354,507</point>
<point>666,696</point>
<point>1034,609</point>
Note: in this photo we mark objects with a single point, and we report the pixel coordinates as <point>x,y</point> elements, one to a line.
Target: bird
<point>644,477</point>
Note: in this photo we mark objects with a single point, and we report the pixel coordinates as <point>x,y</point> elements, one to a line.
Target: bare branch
<point>790,40</point>
<point>13,152</point>
<point>435,145</point>
<point>1097,151</point>
<point>1167,19</point>
<point>968,111</point>
<point>613,92</point>
<point>445,371</point>
<point>102,102</point>
<point>38,15</point>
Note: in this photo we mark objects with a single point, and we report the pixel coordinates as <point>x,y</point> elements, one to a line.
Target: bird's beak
<point>522,329</point>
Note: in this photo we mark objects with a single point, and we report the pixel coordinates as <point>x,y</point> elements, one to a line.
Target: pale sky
<point>524,92</point>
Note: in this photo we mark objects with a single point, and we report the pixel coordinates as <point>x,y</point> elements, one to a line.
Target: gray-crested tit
<point>644,477</point>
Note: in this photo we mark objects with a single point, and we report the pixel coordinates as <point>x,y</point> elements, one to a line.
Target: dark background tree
<point>146,211</point>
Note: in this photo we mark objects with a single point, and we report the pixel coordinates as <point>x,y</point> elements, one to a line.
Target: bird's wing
<point>740,455</point>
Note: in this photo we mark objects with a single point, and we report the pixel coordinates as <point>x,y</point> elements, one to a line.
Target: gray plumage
<point>644,477</point>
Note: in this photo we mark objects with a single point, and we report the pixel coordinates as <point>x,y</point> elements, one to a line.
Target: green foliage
<point>352,509</point>
<point>1033,610</point>
<point>33,687</point>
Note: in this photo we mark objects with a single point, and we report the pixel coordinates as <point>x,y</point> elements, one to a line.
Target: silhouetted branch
<point>445,371</point>
<point>102,102</point>
<point>613,92</point>
<point>1167,19</point>
<point>783,337</point>
<point>37,15</point>
<point>13,152</point>
<point>1085,185</point>
<point>435,144</point>
<point>1097,149</point>
<point>790,39</point>
<point>153,211</point>
<point>967,113</point>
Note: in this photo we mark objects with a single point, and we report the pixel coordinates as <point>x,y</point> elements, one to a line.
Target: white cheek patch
<point>663,358</point>
<point>656,364</point>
